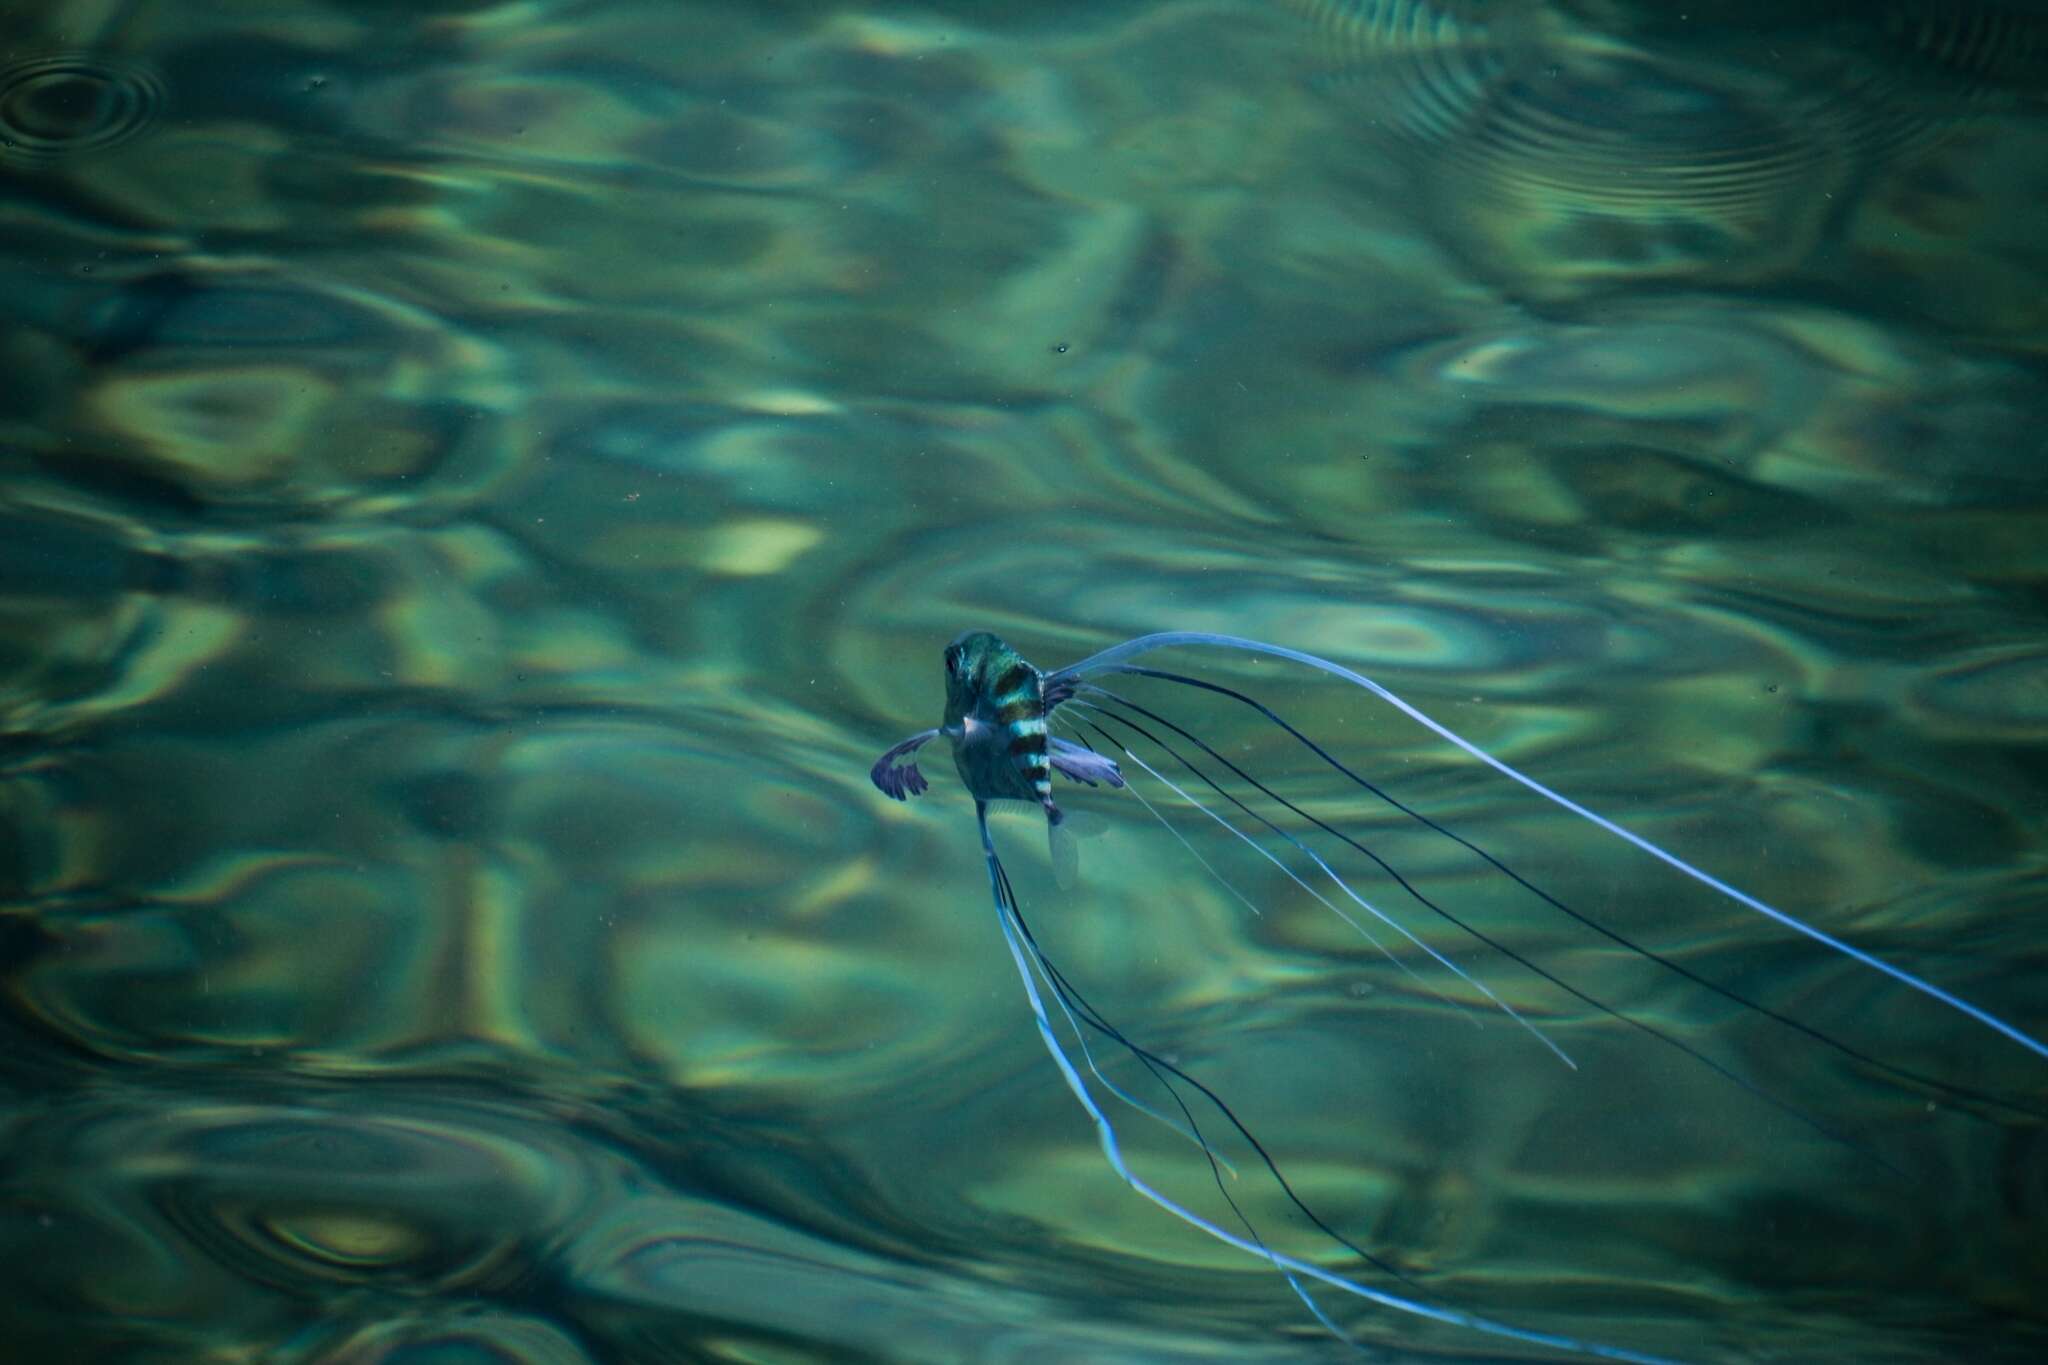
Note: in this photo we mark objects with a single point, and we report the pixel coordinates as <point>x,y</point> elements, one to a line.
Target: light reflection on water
<point>479,483</point>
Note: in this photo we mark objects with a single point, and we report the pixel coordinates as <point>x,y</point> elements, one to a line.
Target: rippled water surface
<point>479,484</point>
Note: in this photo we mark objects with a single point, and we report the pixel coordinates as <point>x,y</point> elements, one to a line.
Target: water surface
<point>480,482</point>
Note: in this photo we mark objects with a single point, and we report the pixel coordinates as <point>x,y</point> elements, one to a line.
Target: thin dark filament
<point>1006,903</point>
<point>1612,935</point>
<point>1062,992</point>
<point>1750,1086</point>
<point>1156,1064</point>
<point>1322,864</point>
<point>1170,828</point>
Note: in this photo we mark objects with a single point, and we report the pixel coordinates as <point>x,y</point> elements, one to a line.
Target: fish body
<point>995,716</point>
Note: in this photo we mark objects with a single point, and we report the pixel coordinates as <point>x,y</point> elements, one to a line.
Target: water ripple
<point>1615,147</point>
<point>72,103</point>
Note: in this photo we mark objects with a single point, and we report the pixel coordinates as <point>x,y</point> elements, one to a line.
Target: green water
<point>479,483</point>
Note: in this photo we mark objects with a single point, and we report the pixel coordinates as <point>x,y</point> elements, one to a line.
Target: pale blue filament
<point>1290,1266</point>
<point>1112,658</point>
<point>1369,908</point>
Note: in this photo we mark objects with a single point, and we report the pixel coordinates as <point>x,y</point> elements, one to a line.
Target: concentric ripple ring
<point>62,105</point>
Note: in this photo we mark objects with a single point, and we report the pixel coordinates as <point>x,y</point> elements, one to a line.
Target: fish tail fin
<point>1066,859</point>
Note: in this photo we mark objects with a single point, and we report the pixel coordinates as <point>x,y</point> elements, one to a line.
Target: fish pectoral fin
<point>895,773</point>
<point>1078,763</point>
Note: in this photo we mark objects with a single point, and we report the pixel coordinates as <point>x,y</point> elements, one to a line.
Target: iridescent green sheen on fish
<point>995,703</point>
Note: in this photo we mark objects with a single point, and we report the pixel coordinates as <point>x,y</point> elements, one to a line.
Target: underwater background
<point>480,482</point>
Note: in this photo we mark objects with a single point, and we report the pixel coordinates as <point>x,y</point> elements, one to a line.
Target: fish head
<point>976,662</point>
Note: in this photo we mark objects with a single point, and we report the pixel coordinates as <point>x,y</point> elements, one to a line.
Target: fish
<point>999,716</point>
<point>996,718</point>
